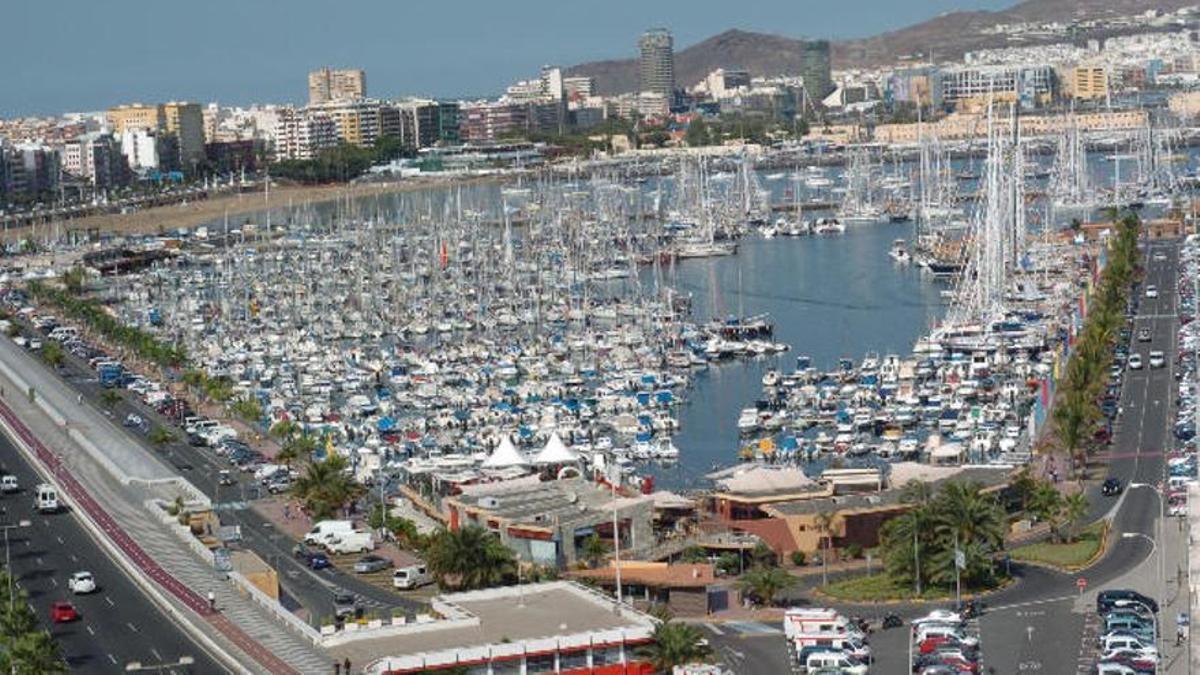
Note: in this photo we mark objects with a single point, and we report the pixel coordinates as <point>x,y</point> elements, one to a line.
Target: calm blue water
<point>830,297</point>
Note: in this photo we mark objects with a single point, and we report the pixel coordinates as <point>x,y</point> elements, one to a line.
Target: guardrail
<point>56,468</point>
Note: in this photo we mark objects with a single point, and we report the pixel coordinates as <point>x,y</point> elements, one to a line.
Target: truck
<point>45,499</point>
<point>350,542</point>
<point>326,529</point>
<point>819,621</point>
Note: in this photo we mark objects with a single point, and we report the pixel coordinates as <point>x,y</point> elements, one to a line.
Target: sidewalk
<point>112,472</point>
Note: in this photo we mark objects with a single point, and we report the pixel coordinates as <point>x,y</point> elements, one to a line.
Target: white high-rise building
<point>140,147</point>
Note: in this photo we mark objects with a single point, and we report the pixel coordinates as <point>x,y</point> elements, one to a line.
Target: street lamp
<point>138,667</point>
<point>8,557</point>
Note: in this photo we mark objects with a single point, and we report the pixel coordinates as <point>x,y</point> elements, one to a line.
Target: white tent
<point>556,452</point>
<point>504,455</point>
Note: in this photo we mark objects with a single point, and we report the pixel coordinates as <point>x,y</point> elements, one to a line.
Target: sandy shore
<point>165,218</point>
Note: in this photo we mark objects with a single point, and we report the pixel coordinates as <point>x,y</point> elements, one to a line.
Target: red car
<point>63,612</point>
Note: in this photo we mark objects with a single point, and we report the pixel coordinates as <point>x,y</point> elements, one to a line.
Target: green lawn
<point>1067,556</point>
<point>881,588</point>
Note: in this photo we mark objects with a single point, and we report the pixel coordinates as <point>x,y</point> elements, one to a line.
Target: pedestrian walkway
<point>245,629</point>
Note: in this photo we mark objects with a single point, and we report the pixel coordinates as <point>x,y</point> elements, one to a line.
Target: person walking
<point>212,601</point>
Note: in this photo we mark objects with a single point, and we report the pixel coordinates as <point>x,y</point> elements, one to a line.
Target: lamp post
<point>139,667</point>
<point>8,559</point>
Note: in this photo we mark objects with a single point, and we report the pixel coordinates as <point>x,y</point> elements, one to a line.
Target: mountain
<point>947,36</point>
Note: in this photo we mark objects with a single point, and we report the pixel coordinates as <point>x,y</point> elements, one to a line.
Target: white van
<point>413,576</point>
<point>838,661</point>
<point>45,499</point>
<point>349,542</point>
<point>8,484</point>
<point>325,529</point>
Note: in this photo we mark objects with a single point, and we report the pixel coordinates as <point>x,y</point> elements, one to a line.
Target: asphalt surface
<point>1033,626</point>
<point>118,624</point>
<point>300,586</point>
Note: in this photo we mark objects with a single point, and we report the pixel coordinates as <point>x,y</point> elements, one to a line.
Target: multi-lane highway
<point>300,586</point>
<point>119,624</point>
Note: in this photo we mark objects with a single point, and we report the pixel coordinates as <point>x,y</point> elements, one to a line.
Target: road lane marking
<point>131,627</point>
<point>60,541</point>
<point>157,656</point>
<point>54,581</point>
<point>73,558</point>
<point>39,562</point>
<point>1031,603</point>
<point>110,658</point>
<point>714,628</point>
<point>109,601</point>
<point>91,631</point>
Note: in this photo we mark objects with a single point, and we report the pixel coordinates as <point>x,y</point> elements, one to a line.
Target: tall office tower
<point>656,66</point>
<point>815,69</point>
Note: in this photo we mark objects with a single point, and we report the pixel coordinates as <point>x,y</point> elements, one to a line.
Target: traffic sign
<point>1081,583</point>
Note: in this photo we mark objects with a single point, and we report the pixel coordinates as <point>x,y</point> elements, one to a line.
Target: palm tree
<point>1074,510</point>
<point>594,550</point>
<point>468,558</point>
<point>1046,501</point>
<point>675,644</point>
<point>916,492</point>
<point>325,487</point>
<point>765,583</point>
<point>974,522</point>
<point>824,522</point>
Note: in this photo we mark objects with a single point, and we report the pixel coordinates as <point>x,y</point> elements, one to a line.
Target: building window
<point>606,656</point>
<point>508,667</point>
<point>572,660</point>
<point>542,663</point>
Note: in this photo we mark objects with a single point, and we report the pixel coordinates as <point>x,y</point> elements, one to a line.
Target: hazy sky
<point>71,55</point>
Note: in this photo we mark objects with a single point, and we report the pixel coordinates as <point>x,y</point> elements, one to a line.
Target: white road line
<point>110,658</point>
<point>54,581</point>
<point>91,631</point>
<point>131,627</point>
<point>109,601</point>
<point>60,540</point>
<point>157,656</point>
<point>714,628</point>
<point>73,558</point>
<point>39,562</point>
<point>1031,603</point>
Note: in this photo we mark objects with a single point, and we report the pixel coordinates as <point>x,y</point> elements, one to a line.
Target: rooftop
<point>510,619</point>
<point>990,477</point>
<point>541,504</point>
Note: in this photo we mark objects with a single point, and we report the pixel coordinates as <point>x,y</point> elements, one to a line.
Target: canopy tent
<point>504,455</point>
<point>556,452</point>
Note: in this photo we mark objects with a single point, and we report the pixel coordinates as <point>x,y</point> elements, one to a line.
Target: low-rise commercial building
<point>555,627</point>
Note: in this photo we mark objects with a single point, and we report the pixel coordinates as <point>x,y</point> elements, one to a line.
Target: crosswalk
<point>751,628</point>
<point>231,506</point>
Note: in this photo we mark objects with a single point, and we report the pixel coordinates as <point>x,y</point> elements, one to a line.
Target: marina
<point>484,331</point>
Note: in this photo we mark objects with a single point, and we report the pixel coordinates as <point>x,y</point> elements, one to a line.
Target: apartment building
<point>1089,82</point>
<point>301,134</point>
<point>96,157</point>
<point>488,121</point>
<point>1031,85</point>
<point>357,121</point>
<point>183,120</point>
<point>327,85</point>
<point>186,121</point>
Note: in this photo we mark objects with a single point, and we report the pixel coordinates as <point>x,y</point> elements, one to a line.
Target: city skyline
<point>241,62</point>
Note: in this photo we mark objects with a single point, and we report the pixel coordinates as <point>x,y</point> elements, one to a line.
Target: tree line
<point>1077,408</point>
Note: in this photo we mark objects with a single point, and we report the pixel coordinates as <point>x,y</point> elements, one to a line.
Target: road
<point>1043,623</point>
<point>119,623</point>
<point>300,586</point>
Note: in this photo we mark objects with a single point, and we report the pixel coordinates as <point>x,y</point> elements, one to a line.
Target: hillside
<point>948,36</point>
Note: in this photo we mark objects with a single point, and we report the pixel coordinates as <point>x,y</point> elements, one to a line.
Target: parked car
<point>371,563</point>
<point>345,605</point>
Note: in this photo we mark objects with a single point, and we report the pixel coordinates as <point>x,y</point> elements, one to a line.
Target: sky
<point>81,55</point>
